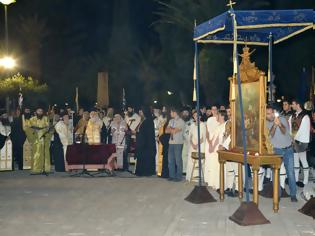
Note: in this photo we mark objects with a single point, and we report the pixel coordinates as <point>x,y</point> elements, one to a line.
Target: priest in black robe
<point>145,145</point>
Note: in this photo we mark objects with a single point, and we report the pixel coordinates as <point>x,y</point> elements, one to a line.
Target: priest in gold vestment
<point>40,138</point>
<point>27,147</point>
<point>93,129</point>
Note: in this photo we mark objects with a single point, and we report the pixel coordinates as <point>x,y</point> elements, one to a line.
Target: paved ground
<point>60,205</point>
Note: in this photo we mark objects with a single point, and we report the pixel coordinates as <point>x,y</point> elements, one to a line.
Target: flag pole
<point>77,98</point>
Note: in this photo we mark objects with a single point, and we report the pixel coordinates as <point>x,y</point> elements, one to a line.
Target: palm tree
<point>32,31</point>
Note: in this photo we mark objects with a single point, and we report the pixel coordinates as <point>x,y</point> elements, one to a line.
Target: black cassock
<point>2,140</point>
<point>145,149</point>
<point>57,153</point>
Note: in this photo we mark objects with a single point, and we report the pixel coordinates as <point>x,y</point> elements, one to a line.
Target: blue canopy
<point>254,27</point>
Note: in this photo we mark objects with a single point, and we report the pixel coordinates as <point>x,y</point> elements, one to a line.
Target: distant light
<point>7,62</point>
<point>155,102</point>
<point>279,100</point>
<point>7,2</point>
<point>170,93</point>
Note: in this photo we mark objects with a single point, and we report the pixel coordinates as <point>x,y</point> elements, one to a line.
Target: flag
<point>77,98</point>
<point>124,100</point>
<point>20,99</point>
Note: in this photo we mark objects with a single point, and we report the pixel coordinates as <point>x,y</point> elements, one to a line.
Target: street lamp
<point>170,93</point>
<point>7,62</point>
<point>6,3</point>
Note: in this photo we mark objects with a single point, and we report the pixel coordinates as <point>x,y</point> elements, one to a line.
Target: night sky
<point>77,39</point>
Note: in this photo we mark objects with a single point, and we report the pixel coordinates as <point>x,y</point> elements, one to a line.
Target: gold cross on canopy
<point>230,4</point>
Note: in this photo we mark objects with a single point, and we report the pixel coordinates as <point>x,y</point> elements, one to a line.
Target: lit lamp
<point>7,2</point>
<point>7,62</point>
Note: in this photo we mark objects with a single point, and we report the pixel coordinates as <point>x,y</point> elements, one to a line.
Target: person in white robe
<point>118,132</point>
<point>65,135</point>
<point>6,151</point>
<point>107,120</point>
<point>186,146</point>
<point>212,175</point>
<point>211,126</point>
<point>193,147</point>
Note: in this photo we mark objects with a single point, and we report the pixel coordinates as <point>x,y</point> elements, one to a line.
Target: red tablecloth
<point>91,154</point>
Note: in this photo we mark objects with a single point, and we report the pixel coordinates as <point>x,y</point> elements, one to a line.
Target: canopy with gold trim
<point>254,27</point>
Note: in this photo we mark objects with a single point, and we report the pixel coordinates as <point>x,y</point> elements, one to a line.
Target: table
<point>256,162</point>
<point>94,156</point>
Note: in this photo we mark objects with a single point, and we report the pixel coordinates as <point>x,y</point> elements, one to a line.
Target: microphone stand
<point>84,170</point>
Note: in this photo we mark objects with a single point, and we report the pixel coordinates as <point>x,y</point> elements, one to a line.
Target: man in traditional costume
<point>300,127</point>
<point>215,140</point>
<point>6,162</point>
<point>93,129</point>
<point>118,132</point>
<point>193,147</point>
<point>211,126</point>
<point>40,136</point>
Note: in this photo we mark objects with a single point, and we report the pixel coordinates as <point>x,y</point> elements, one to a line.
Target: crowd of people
<point>161,140</point>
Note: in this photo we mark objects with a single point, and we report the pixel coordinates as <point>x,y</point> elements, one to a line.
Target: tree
<point>31,89</point>
<point>33,30</point>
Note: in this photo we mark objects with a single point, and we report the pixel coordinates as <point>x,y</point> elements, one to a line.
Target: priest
<point>40,136</point>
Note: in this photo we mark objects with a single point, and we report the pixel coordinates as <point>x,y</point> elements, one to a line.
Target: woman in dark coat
<point>145,145</point>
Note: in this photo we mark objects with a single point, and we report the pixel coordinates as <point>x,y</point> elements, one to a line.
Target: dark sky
<point>84,37</point>
<point>78,31</point>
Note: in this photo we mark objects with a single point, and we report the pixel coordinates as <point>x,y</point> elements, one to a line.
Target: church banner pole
<point>248,212</point>
<point>200,194</point>
<point>270,74</point>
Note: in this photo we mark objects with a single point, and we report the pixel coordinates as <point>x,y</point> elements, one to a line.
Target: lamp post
<point>6,3</point>
<point>6,61</point>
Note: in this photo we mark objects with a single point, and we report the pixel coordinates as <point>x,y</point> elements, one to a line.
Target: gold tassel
<point>194,94</point>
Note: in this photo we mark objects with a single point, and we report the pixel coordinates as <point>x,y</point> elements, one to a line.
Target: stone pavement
<point>60,205</point>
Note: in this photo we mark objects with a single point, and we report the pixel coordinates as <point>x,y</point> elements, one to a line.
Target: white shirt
<point>303,134</point>
<point>212,125</point>
<point>193,135</point>
<point>118,133</point>
<point>64,133</point>
<point>5,130</point>
<point>133,121</point>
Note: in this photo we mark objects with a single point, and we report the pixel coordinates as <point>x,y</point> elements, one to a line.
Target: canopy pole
<point>200,194</point>
<point>237,74</point>
<point>270,74</point>
<point>198,110</point>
